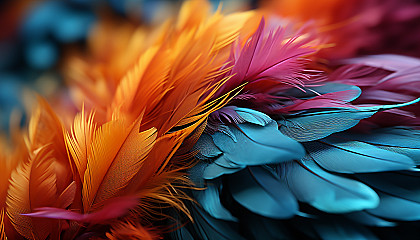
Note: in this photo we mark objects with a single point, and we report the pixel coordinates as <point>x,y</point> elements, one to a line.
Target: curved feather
<point>312,126</point>
<point>343,230</point>
<point>328,192</point>
<point>403,184</point>
<point>257,145</point>
<point>18,200</point>
<point>207,228</point>
<point>43,191</point>
<point>209,199</point>
<point>79,140</point>
<point>398,139</point>
<point>252,116</point>
<point>260,192</point>
<point>113,208</point>
<point>268,62</point>
<point>355,157</point>
<point>390,62</point>
<point>369,220</point>
<point>392,207</point>
<point>117,154</point>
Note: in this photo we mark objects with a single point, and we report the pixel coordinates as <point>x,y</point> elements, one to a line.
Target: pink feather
<point>112,209</point>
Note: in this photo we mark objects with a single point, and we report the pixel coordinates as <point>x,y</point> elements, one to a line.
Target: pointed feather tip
<point>112,209</point>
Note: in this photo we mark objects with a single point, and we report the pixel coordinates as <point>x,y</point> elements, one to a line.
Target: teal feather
<point>317,125</point>
<point>328,192</point>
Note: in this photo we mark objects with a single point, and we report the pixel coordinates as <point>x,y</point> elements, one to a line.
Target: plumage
<point>209,199</point>
<point>132,230</point>
<point>316,125</point>
<point>254,185</point>
<point>219,126</point>
<point>256,145</point>
<point>269,61</point>
<point>207,227</point>
<point>18,200</point>
<point>114,160</point>
<point>112,209</point>
<point>355,157</point>
<point>328,192</point>
<point>78,141</point>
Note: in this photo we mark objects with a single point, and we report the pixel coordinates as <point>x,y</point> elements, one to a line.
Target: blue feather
<point>257,145</point>
<point>397,139</point>
<point>206,227</point>
<point>316,125</point>
<point>328,192</point>
<point>392,207</point>
<point>343,230</point>
<point>324,89</point>
<point>369,220</point>
<point>355,157</point>
<point>400,184</point>
<point>252,116</point>
<point>259,191</point>
<point>215,170</point>
<point>205,148</point>
<point>209,199</point>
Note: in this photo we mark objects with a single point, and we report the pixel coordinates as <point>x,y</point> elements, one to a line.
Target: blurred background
<point>36,35</point>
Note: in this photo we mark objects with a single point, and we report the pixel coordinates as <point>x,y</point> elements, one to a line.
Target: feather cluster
<point>220,126</point>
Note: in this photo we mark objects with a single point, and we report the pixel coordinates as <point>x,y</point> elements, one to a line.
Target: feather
<point>43,191</point>
<point>2,231</point>
<point>312,126</point>
<point>126,230</point>
<point>206,148</point>
<point>66,198</point>
<point>254,185</point>
<point>389,62</point>
<point>257,145</point>
<point>355,157</point>
<point>45,128</point>
<point>221,167</point>
<point>112,208</point>
<point>181,233</point>
<point>392,207</point>
<point>351,92</point>
<point>398,139</point>
<point>209,199</point>
<point>369,220</point>
<point>18,200</point>
<point>343,230</point>
<point>118,151</point>
<point>328,192</point>
<point>207,228</point>
<point>46,131</point>
<point>252,116</point>
<point>268,61</point>
<point>401,184</point>
<point>78,142</point>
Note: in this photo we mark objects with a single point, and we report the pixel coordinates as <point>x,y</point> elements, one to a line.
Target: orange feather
<point>2,230</point>
<point>118,150</point>
<point>79,140</point>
